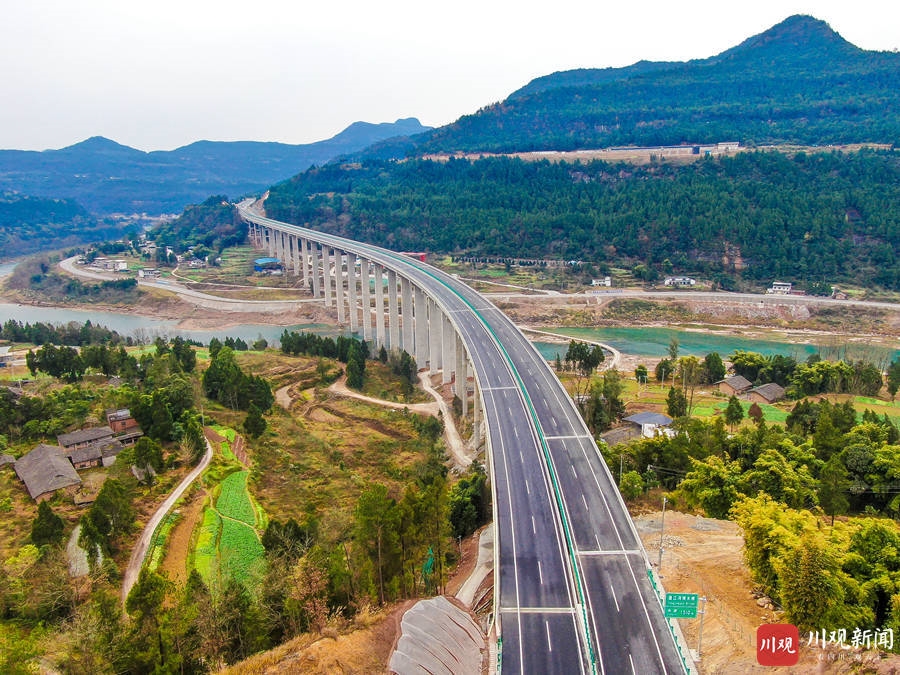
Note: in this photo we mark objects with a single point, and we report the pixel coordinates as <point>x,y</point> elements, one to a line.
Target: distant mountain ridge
<point>798,82</point>
<point>107,177</point>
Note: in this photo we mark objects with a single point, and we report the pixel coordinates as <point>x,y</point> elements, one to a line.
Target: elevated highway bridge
<point>574,591</point>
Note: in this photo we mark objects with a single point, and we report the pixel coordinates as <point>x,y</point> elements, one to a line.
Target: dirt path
<point>174,564</point>
<point>456,447</point>
<point>140,550</point>
<point>283,397</point>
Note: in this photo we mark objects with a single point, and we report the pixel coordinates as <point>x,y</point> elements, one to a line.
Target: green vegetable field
<point>228,541</point>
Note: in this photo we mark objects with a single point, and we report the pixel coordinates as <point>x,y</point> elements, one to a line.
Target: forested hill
<point>799,82</point>
<point>825,216</point>
<point>106,177</point>
<point>27,223</point>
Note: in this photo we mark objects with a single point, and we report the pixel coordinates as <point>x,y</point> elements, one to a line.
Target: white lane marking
<point>574,472</point>
<point>584,500</point>
<point>527,487</point>
<point>567,438</point>
<point>516,431</point>
<point>533,526</point>
<point>550,642</point>
<point>631,661</point>
<point>541,572</point>
<point>613,591</point>
<point>597,539</point>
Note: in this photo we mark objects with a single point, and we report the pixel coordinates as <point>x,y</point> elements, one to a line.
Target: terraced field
<point>228,541</point>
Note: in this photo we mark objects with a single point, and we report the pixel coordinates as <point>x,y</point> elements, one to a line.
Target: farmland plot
<point>228,540</point>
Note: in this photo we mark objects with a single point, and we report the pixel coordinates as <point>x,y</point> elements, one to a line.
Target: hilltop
<point>798,82</point>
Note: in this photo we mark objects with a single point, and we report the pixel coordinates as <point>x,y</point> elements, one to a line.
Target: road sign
<point>681,605</point>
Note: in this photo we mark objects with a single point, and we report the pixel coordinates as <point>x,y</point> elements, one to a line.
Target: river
<point>649,342</point>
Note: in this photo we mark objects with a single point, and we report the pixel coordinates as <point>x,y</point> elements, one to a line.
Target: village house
<point>734,385</point>
<point>45,470</point>
<point>780,288</point>
<point>124,426</point>
<point>765,393</point>
<point>99,453</point>
<point>651,424</point>
<point>83,438</point>
<point>680,282</point>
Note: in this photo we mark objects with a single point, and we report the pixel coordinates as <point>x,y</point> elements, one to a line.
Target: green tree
<point>641,374</point>
<point>47,527</point>
<point>673,349</point>
<point>834,482</point>
<point>714,367</point>
<point>148,454</point>
<point>734,413</point>
<point>773,474</point>
<point>810,582</point>
<point>712,484</point>
<point>676,403</point>
<point>356,366</point>
<point>664,369</point>
<point>376,519</point>
<point>893,378</point>
<point>631,486</point>
<point>254,424</point>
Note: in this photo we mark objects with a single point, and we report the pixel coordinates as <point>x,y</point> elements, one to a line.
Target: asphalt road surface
<point>572,589</point>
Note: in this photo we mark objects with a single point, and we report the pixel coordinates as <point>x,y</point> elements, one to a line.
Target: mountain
<point>742,221</point>
<point>27,223</point>
<point>798,82</point>
<point>106,177</point>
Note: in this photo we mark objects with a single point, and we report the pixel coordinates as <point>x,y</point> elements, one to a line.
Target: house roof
<point>115,414</point>
<point>737,382</point>
<point>7,459</point>
<point>642,418</point>
<point>98,450</point>
<point>84,436</point>
<point>45,469</point>
<point>771,391</point>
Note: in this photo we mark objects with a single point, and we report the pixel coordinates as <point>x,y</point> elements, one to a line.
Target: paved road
<point>140,550</point>
<point>571,578</point>
<point>190,295</point>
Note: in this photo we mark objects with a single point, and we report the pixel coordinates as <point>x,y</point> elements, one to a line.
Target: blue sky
<point>157,75</point>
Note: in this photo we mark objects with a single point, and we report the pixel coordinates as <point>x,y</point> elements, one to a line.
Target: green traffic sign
<point>681,605</point>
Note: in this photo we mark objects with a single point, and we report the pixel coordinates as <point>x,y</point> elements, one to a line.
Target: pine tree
<point>734,413</point>
<point>47,527</point>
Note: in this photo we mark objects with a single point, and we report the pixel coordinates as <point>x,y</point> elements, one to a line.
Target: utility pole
<point>662,527</point>
<point>700,639</point>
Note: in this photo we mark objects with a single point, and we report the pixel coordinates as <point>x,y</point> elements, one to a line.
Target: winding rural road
<point>140,550</point>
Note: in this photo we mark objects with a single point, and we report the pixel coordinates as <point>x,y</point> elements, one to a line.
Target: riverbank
<point>640,326</point>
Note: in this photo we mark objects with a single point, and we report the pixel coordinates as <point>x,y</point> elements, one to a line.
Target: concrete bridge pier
<point>435,324</point>
<point>339,285</point>
<point>380,340</point>
<point>407,340</point>
<point>421,327</point>
<point>393,312</point>
<point>316,263</point>
<point>365,280</point>
<point>351,293</point>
